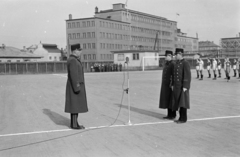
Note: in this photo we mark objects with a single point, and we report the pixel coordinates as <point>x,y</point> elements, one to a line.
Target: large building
<point>230,47</point>
<point>189,44</point>
<point>119,29</point>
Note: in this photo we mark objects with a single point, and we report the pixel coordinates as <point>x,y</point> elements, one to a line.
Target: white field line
<point>113,126</point>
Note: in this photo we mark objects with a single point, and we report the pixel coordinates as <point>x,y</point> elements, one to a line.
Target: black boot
<point>201,77</point>
<point>215,77</point>
<point>74,122</point>
<point>173,115</point>
<point>183,115</point>
<point>168,114</point>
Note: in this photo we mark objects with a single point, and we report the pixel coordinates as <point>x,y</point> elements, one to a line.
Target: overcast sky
<point>27,22</point>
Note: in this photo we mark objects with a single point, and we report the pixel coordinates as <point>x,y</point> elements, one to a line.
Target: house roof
<point>12,52</point>
<point>207,44</point>
<point>51,48</point>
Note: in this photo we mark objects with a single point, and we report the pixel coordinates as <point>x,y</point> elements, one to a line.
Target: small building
<point>12,54</point>
<point>230,47</point>
<point>50,52</point>
<point>138,58</point>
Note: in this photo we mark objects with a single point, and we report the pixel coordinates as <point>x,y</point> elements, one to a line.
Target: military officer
<point>201,64</point>
<point>209,67</point>
<point>214,67</point>
<point>76,100</point>
<point>181,86</point>
<point>166,88</point>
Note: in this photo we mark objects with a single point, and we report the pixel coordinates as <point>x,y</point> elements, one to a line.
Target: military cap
<point>76,47</point>
<point>167,52</point>
<point>179,51</point>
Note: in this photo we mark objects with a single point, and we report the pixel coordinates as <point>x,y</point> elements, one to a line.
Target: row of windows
<point>114,25</point>
<point>150,31</point>
<point>144,39</point>
<point>81,24</point>
<point>114,36</point>
<point>106,56</point>
<point>135,56</point>
<point>208,48</point>
<point>89,56</point>
<point>144,19</point>
<point>84,35</point>
<point>89,46</point>
<point>54,58</point>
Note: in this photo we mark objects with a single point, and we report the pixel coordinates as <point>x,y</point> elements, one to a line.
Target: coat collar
<point>75,57</point>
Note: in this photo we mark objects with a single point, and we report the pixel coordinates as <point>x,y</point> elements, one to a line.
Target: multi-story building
<point>208,48</point>
<point>230,47</point>
<point>189,44</point>
<point>119,28</point>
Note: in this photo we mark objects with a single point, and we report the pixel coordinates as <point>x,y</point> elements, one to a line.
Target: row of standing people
<point>216,66</point>
<point>176,80</point>
<point>98,67</point>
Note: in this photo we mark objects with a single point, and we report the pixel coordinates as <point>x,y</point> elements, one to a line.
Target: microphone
<point>127,60</point>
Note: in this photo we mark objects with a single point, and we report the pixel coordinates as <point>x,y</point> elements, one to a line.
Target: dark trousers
<point>183,114</point>
<point>74,122</point>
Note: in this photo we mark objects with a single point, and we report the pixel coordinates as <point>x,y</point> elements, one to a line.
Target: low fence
<point>33,67</point>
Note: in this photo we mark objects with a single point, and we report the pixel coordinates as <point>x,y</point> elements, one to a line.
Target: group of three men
<point>176,80</point>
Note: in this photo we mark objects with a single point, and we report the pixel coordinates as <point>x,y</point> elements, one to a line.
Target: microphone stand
<point>128,93</point>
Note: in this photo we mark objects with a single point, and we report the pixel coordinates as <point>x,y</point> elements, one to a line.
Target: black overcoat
<point>76,100</point>
<point>181,79</point>
<point>166,90</point>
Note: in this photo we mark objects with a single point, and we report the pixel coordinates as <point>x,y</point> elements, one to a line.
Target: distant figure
<point>201,64</point>
<point>181,86</point>
<point>209,67</point>
<point>238,67</point>
<point>166,88</point>
<point>235,67</point>
<point>76,100</point>
<point>219,65</point>
<point>228,67</point>
<point>214,67</point>
<point>197,67</point>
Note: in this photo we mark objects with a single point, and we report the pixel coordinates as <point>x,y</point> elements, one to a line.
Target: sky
<point>27,22</point>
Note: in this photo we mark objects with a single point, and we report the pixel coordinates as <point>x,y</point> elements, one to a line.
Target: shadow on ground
<point>144,112</point>
<point>57,118</point>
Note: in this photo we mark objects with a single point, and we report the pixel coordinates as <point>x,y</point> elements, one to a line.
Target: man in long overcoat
<point>166,88</point>
<point>76,100</point>
<point>181,86</point>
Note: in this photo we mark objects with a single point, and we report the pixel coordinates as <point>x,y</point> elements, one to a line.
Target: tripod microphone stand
<point>128,93</point>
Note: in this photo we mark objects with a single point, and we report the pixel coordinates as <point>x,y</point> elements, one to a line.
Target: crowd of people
<point>106,67</point>
<point>216,65</point>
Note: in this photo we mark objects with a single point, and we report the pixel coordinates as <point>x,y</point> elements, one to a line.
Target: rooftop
<point>12,52</point>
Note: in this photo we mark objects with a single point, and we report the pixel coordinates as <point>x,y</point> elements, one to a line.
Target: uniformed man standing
<point>201,64</point>
<point>219,64</point>
<point>209,67</point>
<point>76,100</point>
<point>214,67</point>
<point>181,86</point>
<point>235,67</point>
<point>197,67</point>
<point>166,88</point>
<point>228,66</point>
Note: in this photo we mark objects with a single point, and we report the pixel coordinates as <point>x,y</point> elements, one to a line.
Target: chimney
<point>96,10</point>
<point>70,16</point>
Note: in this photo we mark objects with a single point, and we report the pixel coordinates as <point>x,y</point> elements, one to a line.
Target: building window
<point>73,24</point>
<point>101,56</point>
<point>93,45</point>
<point>85,57</point>
<point>55,58</point>
<point>89,56</point>
<point>84,24</point>
<point>50,58</point>
<point>69,25</point>
<point>93,23</point>
<point>78,24</point>
<point>74,35</point>
<point>89,34</point>
<point>84,35</point>
<point>93,34</point>
<point>89,46</point>
<point>78,35</point>
<point>88,23</point>
<point>17,61</point>
<point>84,46</point>
<point>8,60</point>
<point>94,56</point>
<point>135,56</point>
<point>120,57</point>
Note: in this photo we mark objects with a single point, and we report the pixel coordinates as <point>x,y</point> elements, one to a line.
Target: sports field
<point>33,121</point>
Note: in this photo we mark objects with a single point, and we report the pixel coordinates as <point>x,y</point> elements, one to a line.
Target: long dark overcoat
<point>76,100</point>
<point>181,79</point>
<point>166,90</point>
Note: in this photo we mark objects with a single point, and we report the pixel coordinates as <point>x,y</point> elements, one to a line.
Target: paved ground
<point>33,122</point>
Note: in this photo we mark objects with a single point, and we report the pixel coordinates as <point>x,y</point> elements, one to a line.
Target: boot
<point>168,114</point>
<point>201,77</point>
<point>209,76</point>
<point>183,115</point>
<point>238,75</point>
<point>215,77</point>
<point>74,122</point>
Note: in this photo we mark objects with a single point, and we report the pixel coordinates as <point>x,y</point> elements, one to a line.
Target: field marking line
<point>113,126</point>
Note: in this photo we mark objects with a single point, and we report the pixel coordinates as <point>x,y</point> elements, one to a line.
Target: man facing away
<point>209,67</point>
<point>214,67</point>
<point>76,100</point>
<point>201,64</point>
<point>166,88</point>
<point>181,86</point>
